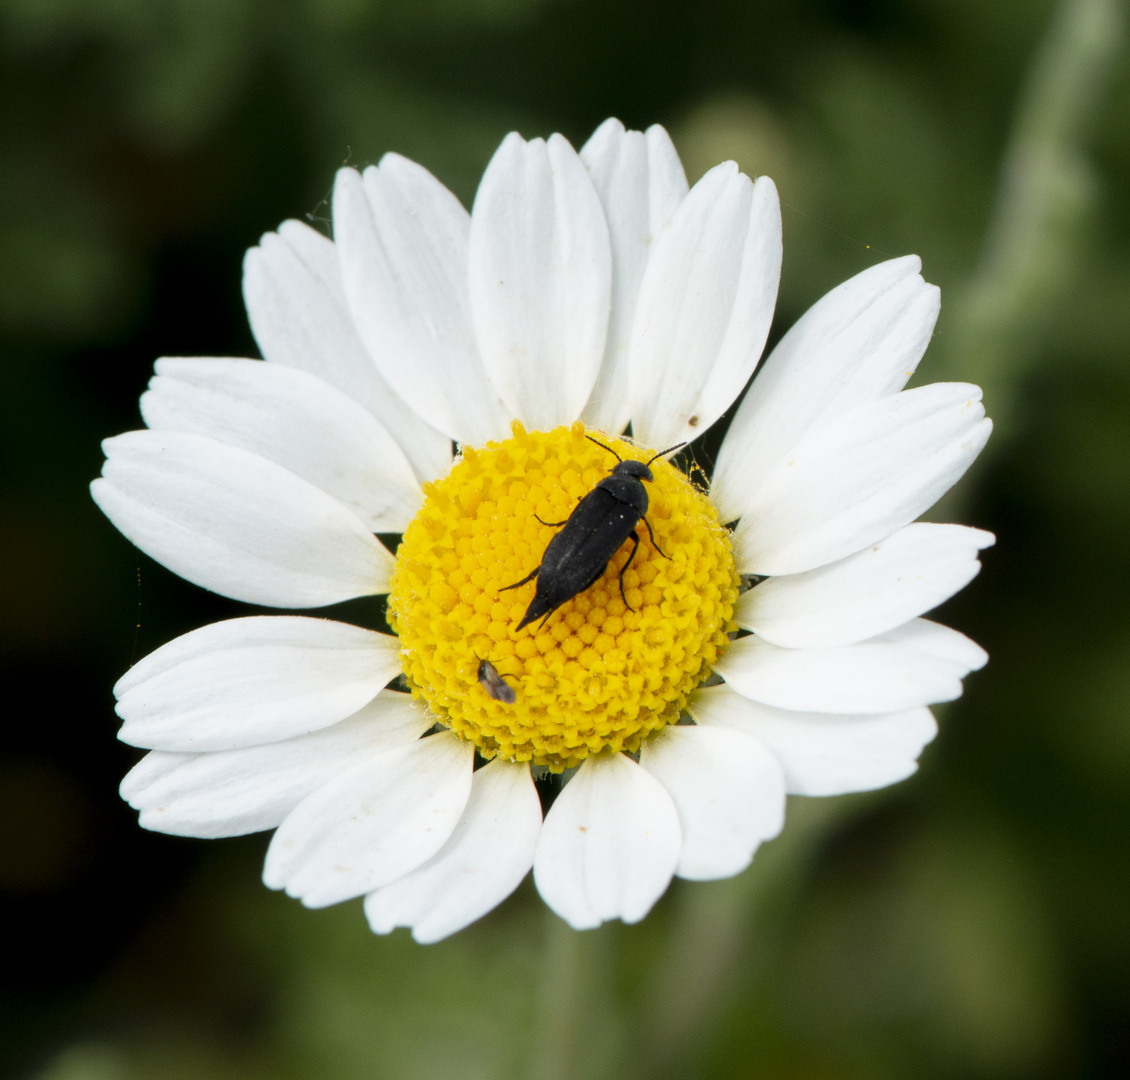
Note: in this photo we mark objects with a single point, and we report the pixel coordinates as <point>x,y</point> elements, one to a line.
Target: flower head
<point>760,639</point>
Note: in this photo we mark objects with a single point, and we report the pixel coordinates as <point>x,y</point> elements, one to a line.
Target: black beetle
<point>494,684</point>
<point>592,534</point>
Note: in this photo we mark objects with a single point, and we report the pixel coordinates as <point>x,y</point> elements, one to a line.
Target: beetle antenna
<point>663,453</point>
<point>608,448</point>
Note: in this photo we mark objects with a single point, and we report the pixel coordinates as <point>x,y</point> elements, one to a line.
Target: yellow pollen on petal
<point>598,674</point>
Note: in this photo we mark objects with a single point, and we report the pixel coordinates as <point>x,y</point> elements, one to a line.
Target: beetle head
<point>638,469</point>
<point>633,468</point>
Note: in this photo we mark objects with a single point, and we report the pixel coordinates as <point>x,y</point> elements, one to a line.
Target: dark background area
<point>972,922</point>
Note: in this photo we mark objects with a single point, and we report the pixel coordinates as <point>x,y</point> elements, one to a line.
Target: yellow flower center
<point>599,673</point>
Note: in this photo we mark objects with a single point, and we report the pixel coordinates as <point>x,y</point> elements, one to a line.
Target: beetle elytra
<point>599,524</point>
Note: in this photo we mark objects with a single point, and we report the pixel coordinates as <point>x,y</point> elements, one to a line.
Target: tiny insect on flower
<point>495,684</point>
<point>596,529</point>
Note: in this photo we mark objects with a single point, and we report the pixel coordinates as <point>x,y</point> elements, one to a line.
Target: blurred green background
<point>973,922</point>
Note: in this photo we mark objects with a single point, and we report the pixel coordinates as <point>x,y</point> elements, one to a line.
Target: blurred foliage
<point>973,922</point>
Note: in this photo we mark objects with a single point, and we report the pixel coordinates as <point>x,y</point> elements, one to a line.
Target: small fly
<point>596,529</point>
<point>494,684</point>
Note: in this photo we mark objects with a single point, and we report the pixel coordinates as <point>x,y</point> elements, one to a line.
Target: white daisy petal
<point>641,182</point>
<point>856,479</point>
<point>860,342</point>
<point>402,239</point>
<point>729,792</point>
<point>541,278</point>
<point>372,824</point>
<point>233,792</point>
<point>705,305</point>
<point>295,419</point>
<point>151,771</point>
<point>248,681</point>
<point>824,754</point>
<point>609,845</point>
<point>919,664</point>
<point>236,523</point>
<point>865,594</point>
<point>482,863</point>
<point>941,642</point>
<point>296,305</point>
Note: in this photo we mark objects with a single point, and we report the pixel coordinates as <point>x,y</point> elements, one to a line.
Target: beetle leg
<point>623,569</point>
<point>651,537</point>
<point>529,577</point>
<point>552,524</point>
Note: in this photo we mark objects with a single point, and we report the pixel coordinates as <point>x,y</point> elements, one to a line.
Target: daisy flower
<point>436,374</point>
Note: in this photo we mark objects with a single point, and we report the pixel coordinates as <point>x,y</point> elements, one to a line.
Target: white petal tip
<point>691,872</point>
